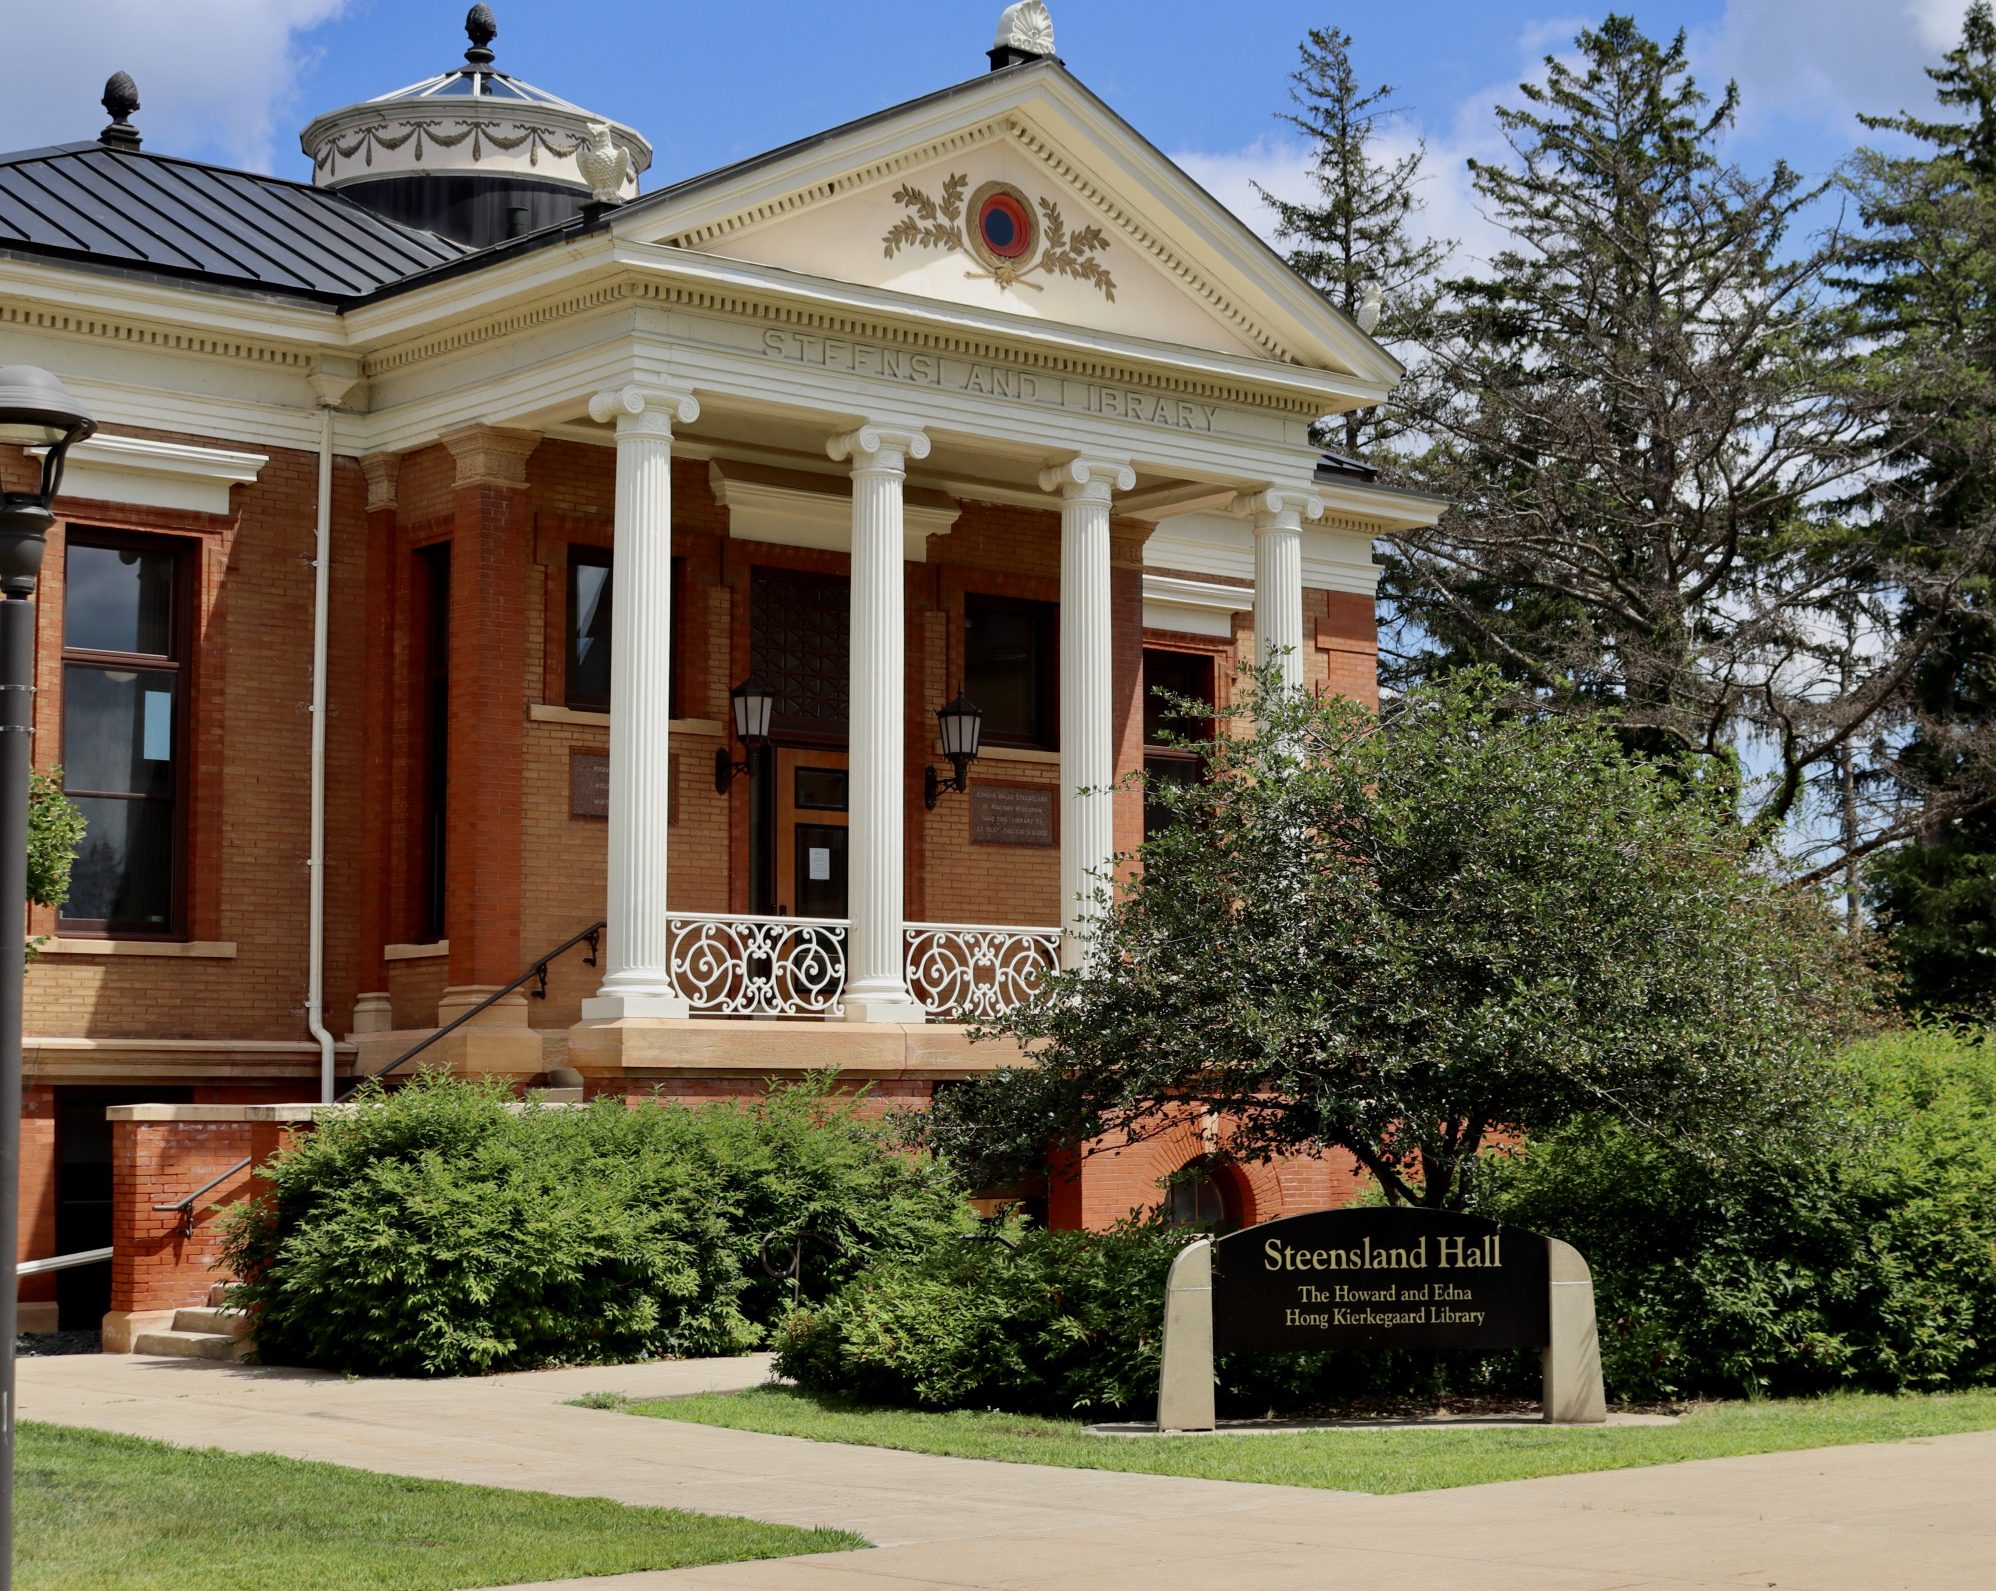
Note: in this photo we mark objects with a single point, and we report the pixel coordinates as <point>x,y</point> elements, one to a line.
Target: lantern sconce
<point>960,724</point>
<point>754,704</point>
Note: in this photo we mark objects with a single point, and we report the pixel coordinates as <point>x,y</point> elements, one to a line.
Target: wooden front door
<point>811,818</point>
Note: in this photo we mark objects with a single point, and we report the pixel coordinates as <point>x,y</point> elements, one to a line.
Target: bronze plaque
<point>1011,814</point>
<point>589,785</point>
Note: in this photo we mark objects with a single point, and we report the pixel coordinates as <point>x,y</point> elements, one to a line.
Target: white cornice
<point>1198,607</point>
<point>1221,546</point>
<point>80,301</point>
<point>130,469</point>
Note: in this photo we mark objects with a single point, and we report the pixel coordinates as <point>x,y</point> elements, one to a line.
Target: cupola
<point>473,153</point>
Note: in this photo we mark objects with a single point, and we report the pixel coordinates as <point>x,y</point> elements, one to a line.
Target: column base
<point>884,1007</point>
<point>614,1007</point>
<point>373,1012</point>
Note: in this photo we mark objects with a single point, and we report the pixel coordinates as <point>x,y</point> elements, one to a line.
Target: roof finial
<point>482,28</point>
<point>1025,33</point>
<point>121,98</point>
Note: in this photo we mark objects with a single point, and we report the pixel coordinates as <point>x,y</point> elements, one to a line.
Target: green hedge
<point>1870,1265</point>
<point>436,1231</point>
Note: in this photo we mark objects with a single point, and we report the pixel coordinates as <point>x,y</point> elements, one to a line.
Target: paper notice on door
<point>821,864</point>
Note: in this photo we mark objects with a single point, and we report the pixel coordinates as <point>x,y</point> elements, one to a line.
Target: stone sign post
<point>1379,1278</point>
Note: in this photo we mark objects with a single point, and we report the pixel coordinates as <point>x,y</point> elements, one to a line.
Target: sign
<point>1380,1278</point>
<point>1011,814</point>
<point>589,785</point>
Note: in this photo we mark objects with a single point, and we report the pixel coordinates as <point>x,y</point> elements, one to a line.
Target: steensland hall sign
<point>1379,1278</point>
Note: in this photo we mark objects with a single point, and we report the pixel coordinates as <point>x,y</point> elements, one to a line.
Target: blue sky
<point>234,80</point>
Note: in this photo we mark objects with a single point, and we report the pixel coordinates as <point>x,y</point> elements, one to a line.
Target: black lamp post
<point>36,411</point>
<point>960,725</point>
<point>754,704</point>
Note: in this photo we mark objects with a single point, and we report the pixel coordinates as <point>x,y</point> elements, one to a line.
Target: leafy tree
<point>1923,275</point>
<point>55,830</point>
<point>1419,940</point>
<point>1357,238</point>
<point>1641,414</point>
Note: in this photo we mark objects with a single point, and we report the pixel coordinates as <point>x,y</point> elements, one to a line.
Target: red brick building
<point>979,394</point>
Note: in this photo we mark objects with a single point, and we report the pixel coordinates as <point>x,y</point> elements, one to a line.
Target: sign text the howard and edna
<point>1379,1279</point>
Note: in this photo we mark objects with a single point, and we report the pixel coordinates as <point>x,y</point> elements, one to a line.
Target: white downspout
<point>331,385</point>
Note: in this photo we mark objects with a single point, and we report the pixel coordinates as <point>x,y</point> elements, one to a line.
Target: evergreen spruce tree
<point>1641,412</point>
<point>1924,278</point>
<point>1357,237</point>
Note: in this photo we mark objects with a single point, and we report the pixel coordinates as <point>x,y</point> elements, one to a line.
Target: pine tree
<point>1358,237</point>
<point>1924,278</point>
<point>1640,413</point>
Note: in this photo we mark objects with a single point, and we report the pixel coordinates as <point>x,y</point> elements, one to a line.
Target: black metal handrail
<point>537,971</point>
<point>186,1205</point>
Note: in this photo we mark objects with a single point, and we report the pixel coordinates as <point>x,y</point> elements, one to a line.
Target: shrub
<point>1872,1265</point>
<point>1045,1322</point>
<point>441,1230</point>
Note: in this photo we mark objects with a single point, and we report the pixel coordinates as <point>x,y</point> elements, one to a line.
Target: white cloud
<point>1821,62</point>
<point>216,78</point>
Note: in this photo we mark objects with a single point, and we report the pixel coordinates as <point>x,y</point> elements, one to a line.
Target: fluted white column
<point>637,980</point>
<point>876,977</point>
<point>1087,724</point>
<point>1278,518</point>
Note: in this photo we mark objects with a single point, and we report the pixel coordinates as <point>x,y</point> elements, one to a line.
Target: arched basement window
<point>1194,1197</point>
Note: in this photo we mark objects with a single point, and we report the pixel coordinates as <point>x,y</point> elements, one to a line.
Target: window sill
<point>546,713</point>
<point>430,952</point>
<point>197,949</point>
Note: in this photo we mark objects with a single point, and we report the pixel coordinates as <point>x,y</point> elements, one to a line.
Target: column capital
<point>643,411</point>
<point>878,445</point>
<point>1273,508</point>
<point>1087,478</point>
<point>382,471</point>
<point>485,455</point>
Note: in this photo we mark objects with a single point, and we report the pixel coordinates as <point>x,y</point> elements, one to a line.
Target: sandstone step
<point>219,1322</point>
<point>190,1344</point>
<point>218,1294</point>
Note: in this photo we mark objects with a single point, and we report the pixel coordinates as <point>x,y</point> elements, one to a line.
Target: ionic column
<point>1277,517</point>
<point>876,976</point>
<point>638,980</point>
<point>1087,725</point>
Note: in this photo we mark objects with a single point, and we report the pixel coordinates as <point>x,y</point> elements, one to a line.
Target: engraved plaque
<point>1011,814</point>
<point>589,785</point>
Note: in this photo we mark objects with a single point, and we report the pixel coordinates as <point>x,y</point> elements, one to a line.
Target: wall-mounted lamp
<point>960,724</point>
<point>753,705</point>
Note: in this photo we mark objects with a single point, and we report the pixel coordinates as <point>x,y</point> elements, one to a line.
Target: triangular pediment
<point>1020,194</point>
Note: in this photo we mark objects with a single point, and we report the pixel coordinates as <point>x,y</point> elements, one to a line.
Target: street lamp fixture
<point>36,411</point>
<point>754,705</point>
<point>960,726</point>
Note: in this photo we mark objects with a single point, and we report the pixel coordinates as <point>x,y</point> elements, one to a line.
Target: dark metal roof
<point>1331,465</point>
<point>137,211</point>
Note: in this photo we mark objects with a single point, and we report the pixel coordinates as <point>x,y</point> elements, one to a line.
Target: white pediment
<point>1021,194</point>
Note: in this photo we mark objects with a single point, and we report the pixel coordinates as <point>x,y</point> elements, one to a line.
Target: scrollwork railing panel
<point>758,966</point>
<point>969,971</point>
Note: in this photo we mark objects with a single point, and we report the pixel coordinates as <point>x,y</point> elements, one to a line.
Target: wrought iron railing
<point>974,970</point>
<point>758,966</point>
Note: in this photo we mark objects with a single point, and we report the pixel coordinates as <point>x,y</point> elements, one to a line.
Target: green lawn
<point>1361,1461</point>
<point>96,1510</point>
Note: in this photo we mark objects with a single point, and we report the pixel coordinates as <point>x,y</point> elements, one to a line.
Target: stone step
<point>218,1295</point>
<point>190,1344</point>
<point>218,1322</point>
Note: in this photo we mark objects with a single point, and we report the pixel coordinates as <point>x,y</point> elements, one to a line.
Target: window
<point>586,677</point>
<point>587,686</point>
<point>123,729</point>
<point>433,573</point>
<point>1011,669</point>
<point>1193,1197</point>
<point>1180,674</point>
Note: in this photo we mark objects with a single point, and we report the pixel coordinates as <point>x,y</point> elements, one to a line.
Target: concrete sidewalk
<point>1916,1514</point>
